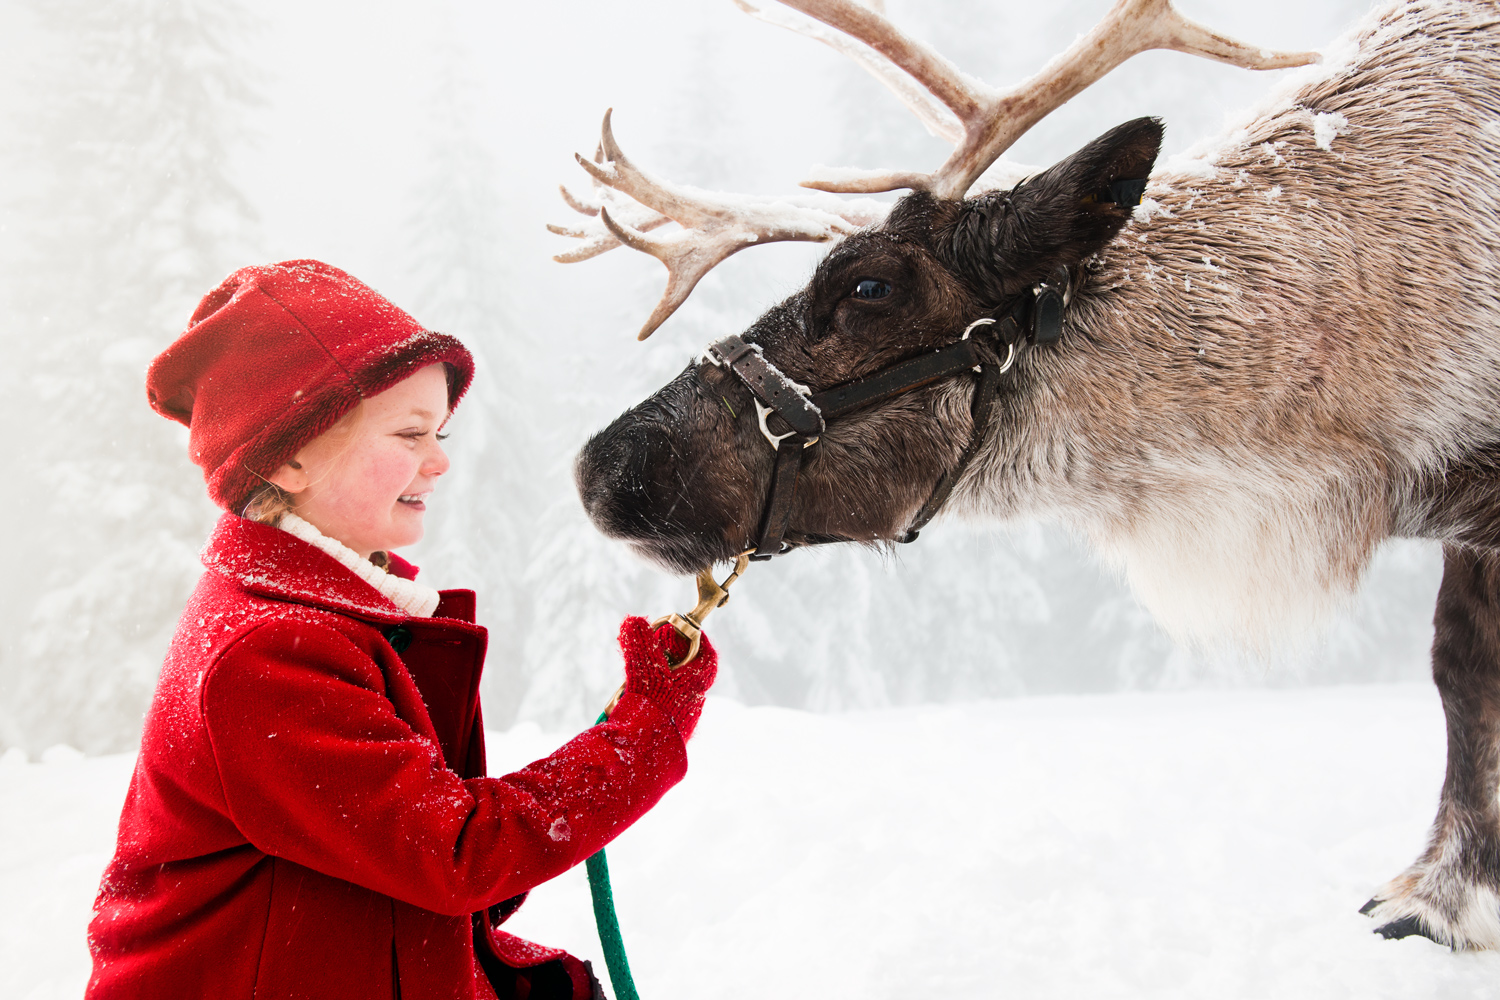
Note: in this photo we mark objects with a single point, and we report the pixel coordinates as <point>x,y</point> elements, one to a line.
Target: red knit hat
<point>274,356</point>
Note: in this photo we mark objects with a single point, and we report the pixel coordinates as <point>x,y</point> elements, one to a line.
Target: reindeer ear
<point>1007,240</point>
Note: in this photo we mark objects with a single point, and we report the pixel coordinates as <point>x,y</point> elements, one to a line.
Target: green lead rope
<point>609,924</point>
<point>609,929</point>
<point>689,626</point>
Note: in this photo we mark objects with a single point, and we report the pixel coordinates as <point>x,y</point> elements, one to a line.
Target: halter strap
<point>980,408</point>
<point>770,387</point>
<point>895,380</point>
<point>1035,317</point>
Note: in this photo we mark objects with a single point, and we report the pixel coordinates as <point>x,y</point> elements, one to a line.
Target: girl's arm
<point>318,768</point>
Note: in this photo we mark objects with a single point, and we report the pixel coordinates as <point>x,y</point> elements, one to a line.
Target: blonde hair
<point>268,504</point>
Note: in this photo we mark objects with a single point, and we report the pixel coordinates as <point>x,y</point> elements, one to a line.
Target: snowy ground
<point>1156,846</point>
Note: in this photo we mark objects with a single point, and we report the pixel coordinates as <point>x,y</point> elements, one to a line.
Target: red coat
<point>309,817</point>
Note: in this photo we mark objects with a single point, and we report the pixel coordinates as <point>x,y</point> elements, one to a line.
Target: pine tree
<point>125,212</point>
<point>485,510</point>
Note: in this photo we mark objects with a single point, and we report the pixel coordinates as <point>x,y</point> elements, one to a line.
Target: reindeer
<point>1236,389</point>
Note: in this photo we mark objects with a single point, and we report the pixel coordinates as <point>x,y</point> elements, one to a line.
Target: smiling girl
<point>309,814</point>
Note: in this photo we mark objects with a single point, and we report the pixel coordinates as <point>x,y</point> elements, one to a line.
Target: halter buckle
<point>761,412</point>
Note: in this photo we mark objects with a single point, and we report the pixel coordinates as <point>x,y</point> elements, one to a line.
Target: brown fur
<point>1290,354</point>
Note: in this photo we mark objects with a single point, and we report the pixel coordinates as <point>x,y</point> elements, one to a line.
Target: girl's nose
<point>436,462</point>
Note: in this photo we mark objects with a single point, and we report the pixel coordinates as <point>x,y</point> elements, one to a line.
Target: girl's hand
<point>676,691</point>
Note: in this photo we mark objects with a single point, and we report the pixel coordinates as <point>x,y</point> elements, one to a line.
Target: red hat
<point>274,356</point>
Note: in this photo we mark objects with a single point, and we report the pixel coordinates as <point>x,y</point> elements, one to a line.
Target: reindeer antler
<point>714,225</point>
<point>992,120</point>
<point>981,121</point>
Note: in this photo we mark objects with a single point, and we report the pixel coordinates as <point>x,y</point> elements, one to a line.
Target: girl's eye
<point>871,288</point>
<point>443,436</point>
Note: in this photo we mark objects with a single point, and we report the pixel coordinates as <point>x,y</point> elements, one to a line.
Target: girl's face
<point>365,482</point>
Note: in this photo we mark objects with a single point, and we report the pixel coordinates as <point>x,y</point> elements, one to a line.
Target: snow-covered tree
<point>123,211</point>
<point>482,522</point>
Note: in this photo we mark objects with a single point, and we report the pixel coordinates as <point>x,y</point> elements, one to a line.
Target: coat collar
<point>269,562</point>
<point>403,591</point>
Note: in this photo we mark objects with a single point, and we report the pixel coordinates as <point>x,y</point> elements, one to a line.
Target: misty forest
<point>968,766</point>
<point>151,146</point>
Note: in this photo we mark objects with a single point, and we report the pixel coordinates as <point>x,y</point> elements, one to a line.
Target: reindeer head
<point>684,477</point>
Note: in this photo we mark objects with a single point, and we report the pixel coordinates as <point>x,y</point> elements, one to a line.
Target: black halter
<point>1035,317</point>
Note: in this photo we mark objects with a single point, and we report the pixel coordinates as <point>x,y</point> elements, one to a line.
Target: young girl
<point>309,815</point>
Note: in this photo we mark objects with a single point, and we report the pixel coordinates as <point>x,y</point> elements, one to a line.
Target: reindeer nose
<point>619,474</point>
<point>653,480</point>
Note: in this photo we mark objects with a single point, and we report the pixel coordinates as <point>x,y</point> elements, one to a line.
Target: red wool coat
<point>309,816</point>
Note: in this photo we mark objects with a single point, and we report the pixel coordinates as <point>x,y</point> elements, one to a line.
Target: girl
<point>309,815</point>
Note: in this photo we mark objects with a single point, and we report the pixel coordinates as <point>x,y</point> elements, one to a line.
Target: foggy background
<point>148,147</point>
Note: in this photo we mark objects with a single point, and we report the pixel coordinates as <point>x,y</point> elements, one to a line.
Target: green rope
<point>609,929</point>
<point>609,924</point>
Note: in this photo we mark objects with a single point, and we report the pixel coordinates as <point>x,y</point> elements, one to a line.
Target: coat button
<point>399,638</point>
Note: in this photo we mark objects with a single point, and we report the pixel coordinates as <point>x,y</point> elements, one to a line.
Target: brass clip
<point>711,595</point>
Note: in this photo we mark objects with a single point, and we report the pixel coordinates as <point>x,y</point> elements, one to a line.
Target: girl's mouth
<point>414,500</point>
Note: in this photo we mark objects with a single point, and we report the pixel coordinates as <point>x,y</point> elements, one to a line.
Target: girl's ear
<point>1007,240</point>
<point>290,477</point>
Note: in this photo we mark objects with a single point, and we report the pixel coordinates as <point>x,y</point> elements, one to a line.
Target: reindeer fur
<point>1284,351</point>
<point>1289,353</point>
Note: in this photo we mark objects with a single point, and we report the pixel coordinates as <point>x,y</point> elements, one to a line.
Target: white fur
<point>1255,568</point>
<point>1459,913</point>
<point>414,598</point>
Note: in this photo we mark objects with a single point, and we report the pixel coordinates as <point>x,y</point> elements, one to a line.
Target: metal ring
<point>984,321</point>
<point>1010,356</point>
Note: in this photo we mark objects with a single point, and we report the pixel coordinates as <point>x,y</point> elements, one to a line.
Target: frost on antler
<point>992,120</point>
<point>596,236</point>
<point>630,203</point>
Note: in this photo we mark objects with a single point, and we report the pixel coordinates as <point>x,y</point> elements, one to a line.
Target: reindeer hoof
<point>1402,927</point>
<point>1463,916</point>
<point>1405,927</point>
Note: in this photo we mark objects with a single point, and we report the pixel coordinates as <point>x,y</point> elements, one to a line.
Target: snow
<point>57,831</point>
<point>1327,126</point>
<point>1193,165</point>
<point>1193,845</point>
<point>1338,57</point>
<point>1148,209</point>
<point>1004,174</point>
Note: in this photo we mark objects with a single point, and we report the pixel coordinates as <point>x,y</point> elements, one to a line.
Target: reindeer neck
<point>1278,347</point>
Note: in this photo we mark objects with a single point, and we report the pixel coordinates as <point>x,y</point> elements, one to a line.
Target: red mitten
<point>676,691</point>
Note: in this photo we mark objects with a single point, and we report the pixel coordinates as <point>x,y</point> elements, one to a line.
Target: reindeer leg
<point>1452,893</point>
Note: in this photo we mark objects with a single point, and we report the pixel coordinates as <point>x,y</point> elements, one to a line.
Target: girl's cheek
<point>397,470</point>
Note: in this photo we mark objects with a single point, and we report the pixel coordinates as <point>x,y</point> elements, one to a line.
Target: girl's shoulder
<point>265,561</point>
<point>225,620</point>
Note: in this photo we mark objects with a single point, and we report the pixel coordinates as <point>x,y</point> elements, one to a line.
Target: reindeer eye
<point>871,288</point>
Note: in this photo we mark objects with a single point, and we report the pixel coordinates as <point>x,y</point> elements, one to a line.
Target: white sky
<point>341,140</point>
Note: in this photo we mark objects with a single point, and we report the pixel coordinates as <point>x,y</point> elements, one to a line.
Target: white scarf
<point>416,599</point>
